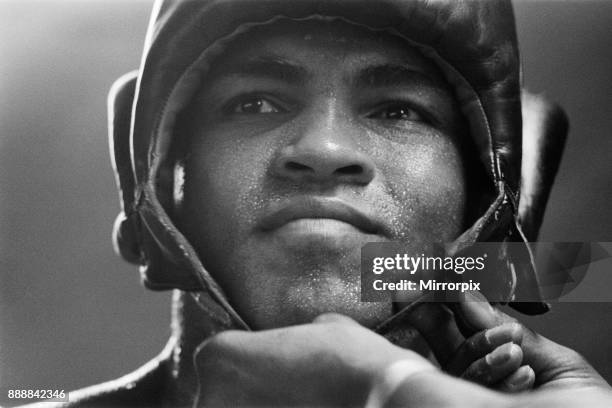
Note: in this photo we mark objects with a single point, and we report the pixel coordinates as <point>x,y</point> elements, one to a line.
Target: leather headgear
<point>474,44</point>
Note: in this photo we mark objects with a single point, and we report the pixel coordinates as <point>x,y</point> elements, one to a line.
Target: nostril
<point>354,169</point>
<point>296,166</point>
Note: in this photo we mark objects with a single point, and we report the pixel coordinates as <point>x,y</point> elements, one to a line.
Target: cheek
<point>426,179</point>
<point>223,178</point>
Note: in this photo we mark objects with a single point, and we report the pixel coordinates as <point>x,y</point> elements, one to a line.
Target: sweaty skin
<point>292,134</point>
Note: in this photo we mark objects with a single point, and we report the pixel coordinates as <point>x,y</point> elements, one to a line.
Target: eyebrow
<point>274,68</point>
<point>393,75</point>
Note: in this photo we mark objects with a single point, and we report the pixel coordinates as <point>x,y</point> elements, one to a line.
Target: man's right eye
<point>254,105</point>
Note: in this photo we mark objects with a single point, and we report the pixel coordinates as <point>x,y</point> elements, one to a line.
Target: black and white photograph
<point>306,203</point>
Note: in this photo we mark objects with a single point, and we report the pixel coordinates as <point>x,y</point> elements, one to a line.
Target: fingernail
<point>509,332</point>
<point>524,374</point>
<point>500,355</point>
<point>498,336</point>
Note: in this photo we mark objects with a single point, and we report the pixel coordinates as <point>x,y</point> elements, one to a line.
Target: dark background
<point>73,314</point>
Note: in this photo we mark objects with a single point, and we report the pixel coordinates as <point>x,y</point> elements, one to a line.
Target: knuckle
<point>215,354</point>
<point>516,352</point>
<point>517,332</point>
<point>516,327</point>
<point>219,341</point>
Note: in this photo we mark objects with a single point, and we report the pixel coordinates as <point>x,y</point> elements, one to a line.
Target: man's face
<point>304,144</point>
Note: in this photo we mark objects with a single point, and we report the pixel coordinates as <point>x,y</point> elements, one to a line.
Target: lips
<point>319,208</point>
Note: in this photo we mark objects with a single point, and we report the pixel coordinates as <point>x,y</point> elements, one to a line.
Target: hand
<point>332,362</point>
<point>553,365</point>
<point>494,358</point>
<point>488,356</point>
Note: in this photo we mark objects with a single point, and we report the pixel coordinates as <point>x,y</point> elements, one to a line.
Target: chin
<point>302,302</point>
<point>270,288</point>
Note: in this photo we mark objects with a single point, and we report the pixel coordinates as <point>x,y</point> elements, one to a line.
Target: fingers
<point>436,323</point>
<point>475,313</point>
<point>550,361</point>
<point>521,380</point>
<point>495,366</point>
<point>481,344</point>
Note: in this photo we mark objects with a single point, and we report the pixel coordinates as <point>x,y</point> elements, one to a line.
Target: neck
<point>190,327</point>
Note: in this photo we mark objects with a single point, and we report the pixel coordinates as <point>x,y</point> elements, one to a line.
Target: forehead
<point>317,45</point>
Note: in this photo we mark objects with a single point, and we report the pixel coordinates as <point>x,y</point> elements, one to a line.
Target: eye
<point>397,111</point>
<point>254,105</point>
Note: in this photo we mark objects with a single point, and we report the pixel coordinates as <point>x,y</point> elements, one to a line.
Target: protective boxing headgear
<point>474,44</point>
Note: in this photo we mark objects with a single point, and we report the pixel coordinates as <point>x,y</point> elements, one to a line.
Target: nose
<point>325,150</point>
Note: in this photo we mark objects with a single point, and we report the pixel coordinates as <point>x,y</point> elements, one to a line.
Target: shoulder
<point>143,387</point>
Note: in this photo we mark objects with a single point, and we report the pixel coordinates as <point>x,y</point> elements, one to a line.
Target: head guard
<point>473,42</point>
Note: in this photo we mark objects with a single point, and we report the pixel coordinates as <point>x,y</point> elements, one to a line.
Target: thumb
<point>436,323</point>
<point>475,313</point>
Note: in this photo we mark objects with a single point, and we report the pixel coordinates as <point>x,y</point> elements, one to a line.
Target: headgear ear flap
<point>125,231</point>
<point>131,238</point>
<point>135,240</point>
<point>545,128</point>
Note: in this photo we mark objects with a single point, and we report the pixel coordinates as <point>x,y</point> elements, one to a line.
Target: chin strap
<point>131,234</point>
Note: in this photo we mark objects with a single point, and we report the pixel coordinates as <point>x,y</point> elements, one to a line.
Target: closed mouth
<point>319,208</point>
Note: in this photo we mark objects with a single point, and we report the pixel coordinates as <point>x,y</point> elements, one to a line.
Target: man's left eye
<point>254,105</point>
<point>397,112</point>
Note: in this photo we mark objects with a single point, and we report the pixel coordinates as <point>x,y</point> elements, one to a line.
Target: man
<point>268,142</point>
